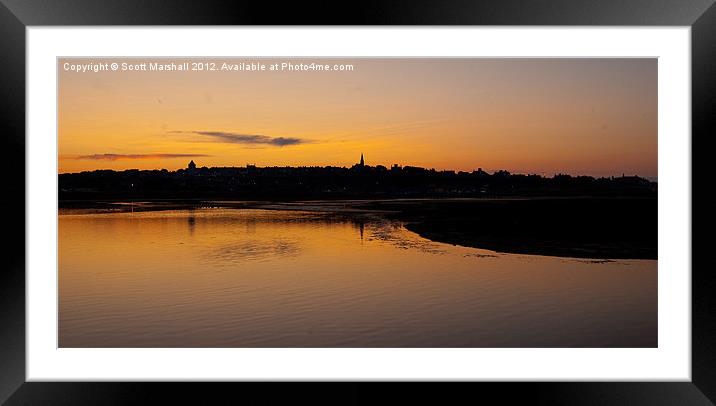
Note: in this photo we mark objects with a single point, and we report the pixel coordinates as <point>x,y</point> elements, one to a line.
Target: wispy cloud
<point>115,157</point>
<point>250,139</point>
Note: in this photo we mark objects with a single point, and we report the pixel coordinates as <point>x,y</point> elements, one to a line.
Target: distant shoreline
<point>360,181</point>
<point>579,227</point>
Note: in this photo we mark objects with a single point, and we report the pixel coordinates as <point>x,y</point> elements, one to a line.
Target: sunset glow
<point>579,116</point>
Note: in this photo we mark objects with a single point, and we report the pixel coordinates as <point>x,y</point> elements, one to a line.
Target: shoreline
<point>573,227</point>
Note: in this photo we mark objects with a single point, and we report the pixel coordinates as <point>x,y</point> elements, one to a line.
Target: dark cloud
<point>114,157</point>
<point>253,139</point>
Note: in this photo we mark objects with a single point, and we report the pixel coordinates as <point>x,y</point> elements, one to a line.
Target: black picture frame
<point>16,15</point>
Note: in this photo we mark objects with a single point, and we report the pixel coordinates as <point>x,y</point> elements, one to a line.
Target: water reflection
<point>191,222</point>
<point>228,254</point>
<point>262,278</point>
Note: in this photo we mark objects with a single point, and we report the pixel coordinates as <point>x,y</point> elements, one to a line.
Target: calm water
<point>260,278</point>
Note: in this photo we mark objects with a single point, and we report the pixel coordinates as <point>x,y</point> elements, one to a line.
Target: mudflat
<point>580,227</point>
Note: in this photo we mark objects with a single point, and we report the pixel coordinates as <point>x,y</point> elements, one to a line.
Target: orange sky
<point>578,116</point>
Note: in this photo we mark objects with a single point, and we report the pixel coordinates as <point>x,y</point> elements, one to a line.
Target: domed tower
<point>191,165</point>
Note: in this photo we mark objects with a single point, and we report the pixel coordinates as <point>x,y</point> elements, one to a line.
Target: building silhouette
<point>315,182</point>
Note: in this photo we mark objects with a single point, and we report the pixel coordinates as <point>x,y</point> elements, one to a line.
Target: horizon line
<point>543,174</point>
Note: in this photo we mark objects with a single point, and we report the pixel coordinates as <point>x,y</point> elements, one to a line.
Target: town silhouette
<point>360,181</point>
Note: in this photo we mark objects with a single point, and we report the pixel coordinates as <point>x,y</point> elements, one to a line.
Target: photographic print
<point>357,202</point>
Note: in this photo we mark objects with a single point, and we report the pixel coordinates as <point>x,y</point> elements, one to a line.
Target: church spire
<point>362,162</point>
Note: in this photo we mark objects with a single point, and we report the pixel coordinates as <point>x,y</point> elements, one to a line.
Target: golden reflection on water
<point>264,278</point>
